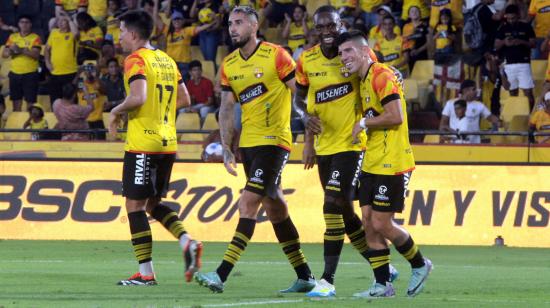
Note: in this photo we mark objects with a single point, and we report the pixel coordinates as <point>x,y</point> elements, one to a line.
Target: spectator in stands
<point>107,53</point>
<point>60,55</point>
<point>130,5</point>
<point>36,120</point>
<point>157,39</point>
<point>494,78</point>
<point>201,91</point>
<point>178,42</point>
<point>210,38</point>
<point>490,21</point>
<point>113,25</point>
<point>444,37</point>
<point>24,49</point>
<point>474,111</point>
<point>2,111</point>
<point>366,9</point>
<point>67,8</point>
<point>184,7</point>
<point>545,48</point>
<point>275,10</point>
<point>376,32</point>
<point>455,6</point>
<point>90,38</point>
<point>112,84</point>
<point>312,39</point>
<point>415,38</point>
<point>346,9</point>
<point>422,5</point>
<point>98,10</point>
<point>391,47</point>
<point>460,125</point>
<point>540,121</point>
<point>89,91</point>
<point>539,12</point>
<point>514,40</point>
<point>70,115</point>
<point>295,28</point>
<point>5,27</point>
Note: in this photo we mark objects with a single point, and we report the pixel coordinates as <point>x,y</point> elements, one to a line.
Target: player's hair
<point>140,22</point>
<point>247,10</point>
<point>461,103</point>
<point>353,35</point>
<point>326,9</point>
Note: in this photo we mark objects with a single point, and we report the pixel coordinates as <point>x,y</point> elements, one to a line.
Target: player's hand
<point>313,124</point>
<point>357,129</point>
<point>308,156</point>
<point>229,162</point>
<point>114,119</point>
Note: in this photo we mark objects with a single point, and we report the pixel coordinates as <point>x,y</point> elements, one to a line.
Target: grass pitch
<point>83,274</point>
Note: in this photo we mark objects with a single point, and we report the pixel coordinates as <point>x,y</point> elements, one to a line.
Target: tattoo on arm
<point>227,118</point>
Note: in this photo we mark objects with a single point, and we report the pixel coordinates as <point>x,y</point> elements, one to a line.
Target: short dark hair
<point>389,17</point>
<point>68,91</point>
<point>24,16</point>
<point>195,63</point>
<point>140,22</point>
<point>468,83</point>
<point>326,9</point>
<point>112,60</point>
<point>511,9</point>
<point>353,35</point>
<point>460,103</point>
<point>245,9</point>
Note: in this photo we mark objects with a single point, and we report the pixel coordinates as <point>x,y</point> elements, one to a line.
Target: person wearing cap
<point>514,41</point>
<point>474,111</point>
<point>60,56</point>
<point>178,42</point>
<point>36,120</point>
<point>376,32</point>
<point>540,121</point>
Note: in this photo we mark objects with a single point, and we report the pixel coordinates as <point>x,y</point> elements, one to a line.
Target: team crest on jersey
<point>345,72</point>
<point>258,72</point>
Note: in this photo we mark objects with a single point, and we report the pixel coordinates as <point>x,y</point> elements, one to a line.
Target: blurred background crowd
<point>468,65</point>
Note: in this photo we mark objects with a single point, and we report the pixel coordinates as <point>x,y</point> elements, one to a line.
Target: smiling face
<point>241,28</point>
<point>328,26</point>
<point>351,55</point>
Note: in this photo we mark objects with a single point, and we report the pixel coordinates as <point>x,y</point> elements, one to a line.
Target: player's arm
<point>183,99</point>
<point>135,99</point>
<point>226,130</point>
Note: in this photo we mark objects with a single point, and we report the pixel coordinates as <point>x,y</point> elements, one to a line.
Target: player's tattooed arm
<point>299,102</point>
<point>226,130</point>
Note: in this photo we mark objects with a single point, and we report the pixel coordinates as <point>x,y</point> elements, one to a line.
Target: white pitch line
<point>267,302</point>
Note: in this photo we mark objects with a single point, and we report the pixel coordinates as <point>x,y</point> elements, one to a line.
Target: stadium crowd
<point>462,60</point>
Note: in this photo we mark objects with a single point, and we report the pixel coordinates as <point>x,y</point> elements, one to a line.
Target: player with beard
<point>333,107</point>
<point>260,77</point>
<point>387,166</point>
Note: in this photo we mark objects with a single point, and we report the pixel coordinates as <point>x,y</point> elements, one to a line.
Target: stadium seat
<point>193,137</point>
<point>208,70</point>
<point>411,89</point>
<point>51,119</point>
<point>16,121</point>
<point>431,139</point>
<point>196,53</point>
<point>514,106</point>
<point>221,53</point>
<point>423,70</point>
<point>519,123</point>
<point>189,121</point>
<point>210,123</point>
<point>538,67</point>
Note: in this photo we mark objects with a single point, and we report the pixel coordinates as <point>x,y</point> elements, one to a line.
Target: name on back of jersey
<point>333,92</point>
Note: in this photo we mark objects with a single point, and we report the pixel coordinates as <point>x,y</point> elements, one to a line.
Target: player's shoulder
<point>232,58</point>
<point>382,70</point>
<point>311,54</point>
<point>268,47</point>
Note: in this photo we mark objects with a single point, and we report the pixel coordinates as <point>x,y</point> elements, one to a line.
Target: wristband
<point>362,123</point>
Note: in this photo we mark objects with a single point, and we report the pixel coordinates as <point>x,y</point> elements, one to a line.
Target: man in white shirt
<point>474,111</point>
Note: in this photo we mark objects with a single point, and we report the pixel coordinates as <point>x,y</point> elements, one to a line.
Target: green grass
<point>83,274</point>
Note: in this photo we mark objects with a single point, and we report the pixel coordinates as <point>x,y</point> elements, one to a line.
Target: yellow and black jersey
<point>23,64</point>
<point>333,96</point>
<point>258,84</point>
<point>388,149</point>
<point>297,36</point>
<point>392,51</point>
<point>152,127</point>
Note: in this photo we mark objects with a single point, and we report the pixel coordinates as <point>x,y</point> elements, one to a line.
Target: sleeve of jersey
<point>9,42</point>
<point>37,42</point>
<point>532,8</point>
<point>301,76</point>
<point>224,81</point>
<point>386,86</point>
<point>99,36</point>
<point>284,64</point>
<point>134,68</point>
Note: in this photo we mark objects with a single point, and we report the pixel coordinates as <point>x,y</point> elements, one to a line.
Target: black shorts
<point>146,175</point>
<point>339,174</point>
<point>23,86</point>
<point>384,193</point>
<point>263,166</point>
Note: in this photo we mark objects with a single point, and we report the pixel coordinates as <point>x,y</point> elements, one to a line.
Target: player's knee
<point>248,205</point>
<point>381,226</point>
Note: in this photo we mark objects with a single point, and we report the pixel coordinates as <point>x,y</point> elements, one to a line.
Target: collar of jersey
<point>252,54</point>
